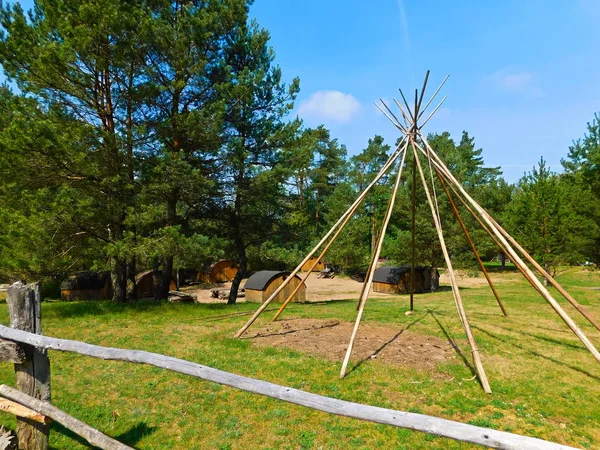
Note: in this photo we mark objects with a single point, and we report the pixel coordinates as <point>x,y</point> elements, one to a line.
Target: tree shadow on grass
<point>536,353</point>
<point>443,289</point>
<point>555,341</point>
<point>509,268</point>
<point>455,346</point>
<point>66,310</point>
<point>574,346</point>
<point>386,344</point>
<point>130,437</point>
<point>135,434</point>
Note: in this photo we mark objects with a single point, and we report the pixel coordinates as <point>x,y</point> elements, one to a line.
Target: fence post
<point>33,375</point>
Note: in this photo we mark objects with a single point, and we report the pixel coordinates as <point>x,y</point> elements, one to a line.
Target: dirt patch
<point>329,339</point>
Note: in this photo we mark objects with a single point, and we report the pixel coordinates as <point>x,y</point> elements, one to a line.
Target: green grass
<point>545,383</point>
<point>496,266</point>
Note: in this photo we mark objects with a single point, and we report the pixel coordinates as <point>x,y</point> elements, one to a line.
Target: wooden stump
<point>32,375</point>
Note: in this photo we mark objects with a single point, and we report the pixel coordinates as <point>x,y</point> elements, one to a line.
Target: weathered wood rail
<point>92,435</point>
<point>418,422</point>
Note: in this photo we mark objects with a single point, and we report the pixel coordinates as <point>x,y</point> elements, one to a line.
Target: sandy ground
<point>341,288</point>
<point>317,290</point>
<point>329,339</point>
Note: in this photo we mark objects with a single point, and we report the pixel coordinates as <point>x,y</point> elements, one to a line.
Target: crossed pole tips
<point>409,123</point>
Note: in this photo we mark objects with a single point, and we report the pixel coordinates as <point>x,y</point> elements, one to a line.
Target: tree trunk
<point>235,226</point>
<point>235,284</point>
<point>131,286</point>
<point>435,279</point>
<point>156,279</point>
<point>243,269</point>
<point>503,261</point>
<point>373,234</point>
<point>118,276</point>
<point>317,208</point>
<point>547,270</point>
<point>166,277</point>
<point>132,262</point>
<point>167,265</point>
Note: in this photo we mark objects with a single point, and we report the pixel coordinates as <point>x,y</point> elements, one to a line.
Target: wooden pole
<point>479,261</point>
<point>373,261</point>
<point>395,121</point>
<point>93,436</point>
<point>33,375</point>
<point>505,251</point>
<point>413,421</point>
<point>19,410</point>
<point>546,275</point>
<point>515,257</point>
<point>407,119</point>
<point>432,113</point>
<point>492,235</point>
<point>432,97</point>
<point>483,225</point>
<point>412,117</point>
<point>416,111</point>
<point>422,94</point>
<point>321,256</point>
<point>360,198</point>
<point>369,278</point>
<point>414,234</point>
<point>457,297</point>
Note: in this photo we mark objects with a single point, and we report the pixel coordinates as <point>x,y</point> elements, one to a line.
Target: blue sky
<point>524,75</point>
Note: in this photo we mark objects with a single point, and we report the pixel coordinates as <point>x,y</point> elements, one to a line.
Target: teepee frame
<point>413,140</point>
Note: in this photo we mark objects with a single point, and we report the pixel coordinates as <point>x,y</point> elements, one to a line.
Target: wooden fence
<point>26,347</point>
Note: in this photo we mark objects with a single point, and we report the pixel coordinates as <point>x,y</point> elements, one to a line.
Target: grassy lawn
<point>545,383</point>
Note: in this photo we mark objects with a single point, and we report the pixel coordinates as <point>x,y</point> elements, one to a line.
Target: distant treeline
<point>156,135</point>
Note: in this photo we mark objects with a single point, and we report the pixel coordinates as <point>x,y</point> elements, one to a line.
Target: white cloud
<point>330,105</point>
<point>516,81</point>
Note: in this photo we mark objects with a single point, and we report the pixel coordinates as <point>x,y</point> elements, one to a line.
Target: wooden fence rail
<point>92,435</point>
<point>419,422</point>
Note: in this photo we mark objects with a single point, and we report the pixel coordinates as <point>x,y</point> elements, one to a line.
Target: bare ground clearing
<point>329,339</point>
<point>341,288</point>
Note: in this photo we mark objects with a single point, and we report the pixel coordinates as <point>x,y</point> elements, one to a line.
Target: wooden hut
<point>396,280</point>
<point>220,272</point>
<point>261,285</point>
<point>86,286</point>
<point>320,265</point>
<point>144,282</point>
